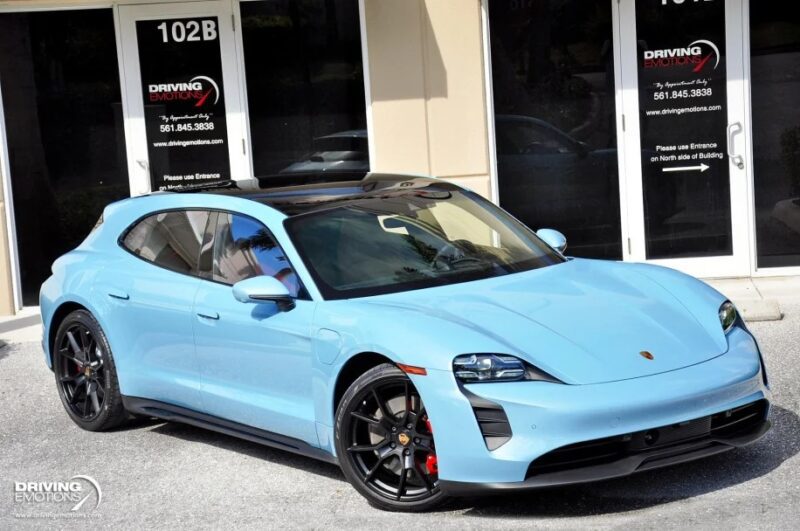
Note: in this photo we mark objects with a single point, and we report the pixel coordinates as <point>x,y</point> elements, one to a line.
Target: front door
<point>255,360</point>
<point>685,134</point>
<point>185,121</point>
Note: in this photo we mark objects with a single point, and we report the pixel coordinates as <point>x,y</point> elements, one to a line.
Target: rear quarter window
<point>169,239</point>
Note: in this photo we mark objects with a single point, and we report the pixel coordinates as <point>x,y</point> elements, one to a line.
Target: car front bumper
<point>545,418</point>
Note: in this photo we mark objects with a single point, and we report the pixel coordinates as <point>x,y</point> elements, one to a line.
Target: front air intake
<point>492,420</point>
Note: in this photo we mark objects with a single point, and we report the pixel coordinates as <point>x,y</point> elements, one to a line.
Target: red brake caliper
<point>431,462</point>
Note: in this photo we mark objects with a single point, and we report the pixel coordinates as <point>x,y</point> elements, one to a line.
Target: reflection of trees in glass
<point>261,240</point>
<point>552,60</point>
<point>79,207</point>
<point>426,252</point>
<point>790,151</point>
<point>426,255</point>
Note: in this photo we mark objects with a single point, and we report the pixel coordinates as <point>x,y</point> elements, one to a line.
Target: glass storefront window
<point>555,124</point>
<point>775,85</point>
<point>63,119</point>
<point>305,86</point>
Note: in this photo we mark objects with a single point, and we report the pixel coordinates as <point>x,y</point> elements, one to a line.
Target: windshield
<point>411,239</point>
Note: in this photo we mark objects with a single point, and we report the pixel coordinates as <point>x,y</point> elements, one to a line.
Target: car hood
<point>583,321</point>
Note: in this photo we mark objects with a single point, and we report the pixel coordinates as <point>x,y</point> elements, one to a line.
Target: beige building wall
<point>427,89</point>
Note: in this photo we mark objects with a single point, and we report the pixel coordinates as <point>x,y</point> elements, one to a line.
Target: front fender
<point>344,329</point>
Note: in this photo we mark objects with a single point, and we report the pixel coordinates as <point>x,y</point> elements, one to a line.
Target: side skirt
<point>163,411</point>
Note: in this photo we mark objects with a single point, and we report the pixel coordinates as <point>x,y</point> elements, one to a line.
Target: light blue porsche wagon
<point>402,327</point>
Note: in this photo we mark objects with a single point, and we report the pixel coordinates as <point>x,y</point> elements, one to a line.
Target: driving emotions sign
<point>184,104</point>
<point>682,89</point>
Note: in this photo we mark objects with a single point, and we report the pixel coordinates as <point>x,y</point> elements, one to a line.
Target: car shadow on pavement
<point>251,449</point>
<point>654,487</point>
<point>639,491</point>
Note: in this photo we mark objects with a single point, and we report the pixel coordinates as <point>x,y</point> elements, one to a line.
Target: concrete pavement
<point>760,299</point>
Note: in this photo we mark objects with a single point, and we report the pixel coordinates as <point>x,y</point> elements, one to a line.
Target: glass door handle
<point>734,129</point>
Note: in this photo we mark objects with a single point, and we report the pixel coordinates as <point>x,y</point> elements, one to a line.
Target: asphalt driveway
<point>168,475</point>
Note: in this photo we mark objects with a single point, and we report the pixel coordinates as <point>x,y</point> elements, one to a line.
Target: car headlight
<point>727,316</point>
<point>474,368</point>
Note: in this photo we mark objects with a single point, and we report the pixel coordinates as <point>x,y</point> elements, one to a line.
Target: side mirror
<point>263,289</point>
<point>554,239</point>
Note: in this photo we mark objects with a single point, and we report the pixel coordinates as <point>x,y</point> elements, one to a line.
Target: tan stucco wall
<point>428,96</point>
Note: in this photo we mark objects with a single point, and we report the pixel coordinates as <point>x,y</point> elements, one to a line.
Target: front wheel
<point>385,443</point>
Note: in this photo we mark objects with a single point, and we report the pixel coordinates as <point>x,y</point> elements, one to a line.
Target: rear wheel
<point>86,377</point>
<point>385,444</point>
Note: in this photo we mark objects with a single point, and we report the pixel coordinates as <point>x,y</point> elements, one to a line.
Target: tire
<point>385,443</point>
<point>86,377</point>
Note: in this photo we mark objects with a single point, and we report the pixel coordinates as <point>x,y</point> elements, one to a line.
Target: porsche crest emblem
<point>646,355</point>
<point>403,439</point>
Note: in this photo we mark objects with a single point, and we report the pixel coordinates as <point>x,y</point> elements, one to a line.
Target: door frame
<point>739,263</point>
<point>10,221</point>
<point>130,74</point>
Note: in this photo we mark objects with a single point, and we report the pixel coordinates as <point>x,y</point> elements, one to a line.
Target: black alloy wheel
<point>85,373</point>
<point>385,444</point>
<point>82,376</point>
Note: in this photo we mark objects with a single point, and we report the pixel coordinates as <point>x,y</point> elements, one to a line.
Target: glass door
<point>185,122</point>
<point>775,93</point>
<point>686,132</point>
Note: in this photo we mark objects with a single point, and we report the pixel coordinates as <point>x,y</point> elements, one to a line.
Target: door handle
<point>214,316</point>
<point>733,129</point>
<point>119,295</point>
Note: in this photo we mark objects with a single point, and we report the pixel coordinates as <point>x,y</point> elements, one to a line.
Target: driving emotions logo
<point>701,55</point>
<point>201,91</point>
<point>73,493</point>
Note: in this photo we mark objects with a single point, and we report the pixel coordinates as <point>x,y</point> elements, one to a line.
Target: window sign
<point>184,103</point>
<point>683,117</point>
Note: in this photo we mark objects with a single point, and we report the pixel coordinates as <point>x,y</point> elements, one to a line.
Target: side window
<point>169,239</point>
<point>244,248</point>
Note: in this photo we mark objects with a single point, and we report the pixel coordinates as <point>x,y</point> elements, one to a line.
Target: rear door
<point>256,361</point>
<point>156,292</point>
